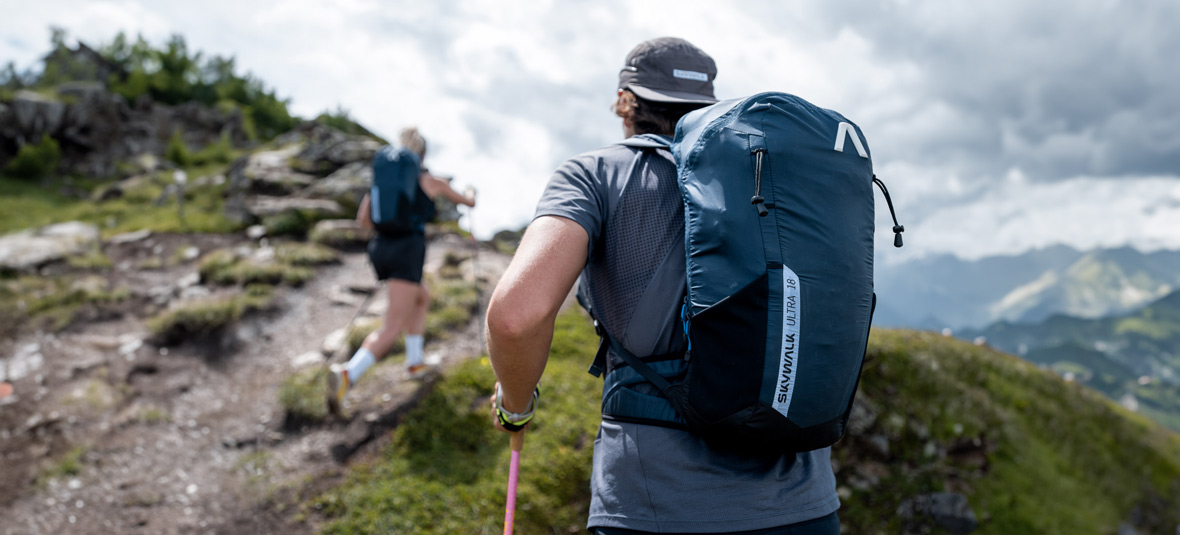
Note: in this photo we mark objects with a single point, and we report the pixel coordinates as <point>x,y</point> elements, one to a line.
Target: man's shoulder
<point>593,161</point>
<point>606,152</point>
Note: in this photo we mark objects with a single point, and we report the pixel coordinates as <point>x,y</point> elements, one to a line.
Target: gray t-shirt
<point>652,478</point>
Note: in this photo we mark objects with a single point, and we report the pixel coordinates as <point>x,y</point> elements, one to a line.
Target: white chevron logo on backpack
<point>844,131</point>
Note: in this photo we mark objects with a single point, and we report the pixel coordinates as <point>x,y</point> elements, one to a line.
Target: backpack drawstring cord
<point>897,229</point>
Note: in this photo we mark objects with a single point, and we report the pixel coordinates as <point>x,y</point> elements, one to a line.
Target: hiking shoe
<point>338,384</point>
<point>416,371</point>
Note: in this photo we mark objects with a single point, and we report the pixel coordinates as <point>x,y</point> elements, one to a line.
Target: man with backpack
<point>616,216</point>
<point>397,208</point>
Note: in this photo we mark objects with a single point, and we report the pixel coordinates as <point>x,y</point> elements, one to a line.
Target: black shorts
<point>398,257</point>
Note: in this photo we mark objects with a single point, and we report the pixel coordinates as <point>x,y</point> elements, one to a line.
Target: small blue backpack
<point>779,224</point>
<point>397,203</point>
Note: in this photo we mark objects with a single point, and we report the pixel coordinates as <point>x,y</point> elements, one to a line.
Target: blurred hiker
<point>397,209</point>
<point>615,216</point>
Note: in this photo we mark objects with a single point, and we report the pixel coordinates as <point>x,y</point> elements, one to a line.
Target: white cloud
<point>1083,212</point>
<point>970,110</point>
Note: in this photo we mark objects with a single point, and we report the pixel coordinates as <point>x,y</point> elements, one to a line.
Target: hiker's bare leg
<point>417,320</point>
<point>416,325</point>
<point>402,294</point>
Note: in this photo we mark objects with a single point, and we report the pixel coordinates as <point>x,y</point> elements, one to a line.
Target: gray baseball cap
<point>669,69</point>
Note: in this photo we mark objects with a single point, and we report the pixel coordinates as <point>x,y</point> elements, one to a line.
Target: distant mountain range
<point>1133,358</point>
<point>947,292</point>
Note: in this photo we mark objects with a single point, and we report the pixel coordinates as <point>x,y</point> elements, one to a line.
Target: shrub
<point>35,160</point>
<point>177,152</point>
<point>218,152</point>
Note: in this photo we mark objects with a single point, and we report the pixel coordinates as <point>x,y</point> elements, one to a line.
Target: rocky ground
<point>108,432</point>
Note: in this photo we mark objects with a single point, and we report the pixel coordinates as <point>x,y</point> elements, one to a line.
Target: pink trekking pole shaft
<point>516,443</point>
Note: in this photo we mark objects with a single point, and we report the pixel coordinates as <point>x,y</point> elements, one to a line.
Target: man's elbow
<point>507,322</point>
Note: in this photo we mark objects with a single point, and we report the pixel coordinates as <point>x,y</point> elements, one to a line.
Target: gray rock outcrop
<point>96,129</point>
<point>31,249</point>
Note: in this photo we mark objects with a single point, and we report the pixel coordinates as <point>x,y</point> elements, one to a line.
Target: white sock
<point>414,349</point>
<point>359,363</point>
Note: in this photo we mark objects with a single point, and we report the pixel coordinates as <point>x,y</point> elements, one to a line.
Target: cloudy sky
<point>999,126</point>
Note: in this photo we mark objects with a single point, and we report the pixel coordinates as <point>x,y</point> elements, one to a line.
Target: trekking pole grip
<point>516,441</point>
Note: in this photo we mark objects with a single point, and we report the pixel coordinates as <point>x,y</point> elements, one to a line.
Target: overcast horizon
<point>999,127</point>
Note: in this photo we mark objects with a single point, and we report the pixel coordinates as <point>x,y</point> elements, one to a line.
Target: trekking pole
<point>475,261</point>
<point>515,443</point>
<point>343,349</point>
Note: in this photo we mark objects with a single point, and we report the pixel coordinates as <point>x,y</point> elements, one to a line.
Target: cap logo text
<point>690,75</point>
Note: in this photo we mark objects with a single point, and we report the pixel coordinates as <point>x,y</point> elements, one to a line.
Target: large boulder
<point>348,185</point>
<point>328,149</point>
<point>93,132</point>
<point>31,249</point>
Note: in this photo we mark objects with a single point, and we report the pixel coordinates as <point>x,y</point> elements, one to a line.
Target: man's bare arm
<point>434,186</point>
<point>525,304</point>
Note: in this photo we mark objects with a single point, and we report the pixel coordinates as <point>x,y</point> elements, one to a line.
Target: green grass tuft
<point>68,465</point>
<point>153,416</point>
<point>301,395</point>
<point>225,267</point>
<point>205,316</point>
<point>48,302</point>
<point>305,254</point>
<point>93,259</point>
<point>290,223</point>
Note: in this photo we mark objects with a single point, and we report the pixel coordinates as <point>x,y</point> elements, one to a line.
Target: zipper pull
<point>757,199</point>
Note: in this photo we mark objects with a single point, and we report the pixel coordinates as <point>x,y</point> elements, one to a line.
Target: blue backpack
<point>397,203</point>
<point>779,223</point>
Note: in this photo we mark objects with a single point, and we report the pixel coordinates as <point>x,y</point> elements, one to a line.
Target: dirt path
<point>112,435</point>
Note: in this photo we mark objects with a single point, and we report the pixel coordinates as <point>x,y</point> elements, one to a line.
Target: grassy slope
<point>1060,458</point>
<point>29,204</point>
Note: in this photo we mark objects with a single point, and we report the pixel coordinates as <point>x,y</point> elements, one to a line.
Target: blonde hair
<point>411,139</point>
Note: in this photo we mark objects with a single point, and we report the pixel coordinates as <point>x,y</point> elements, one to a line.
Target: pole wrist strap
<point>515,421</point>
